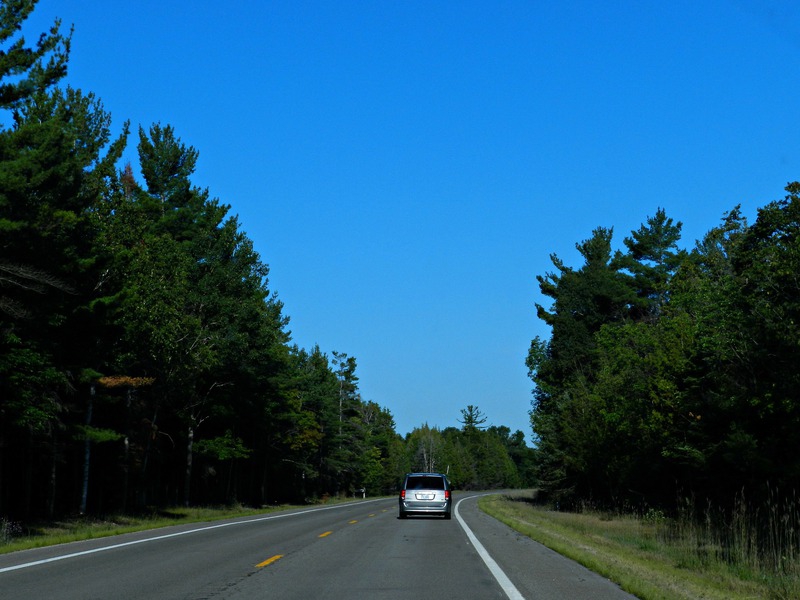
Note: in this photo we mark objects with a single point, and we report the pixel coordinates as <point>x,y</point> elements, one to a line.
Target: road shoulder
<point>535,570</point>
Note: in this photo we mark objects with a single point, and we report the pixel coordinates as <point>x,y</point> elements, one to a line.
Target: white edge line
<point>172,535</point>
<point>509,588</point>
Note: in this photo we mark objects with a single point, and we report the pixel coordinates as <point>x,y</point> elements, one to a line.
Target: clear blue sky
<point>406,168</point>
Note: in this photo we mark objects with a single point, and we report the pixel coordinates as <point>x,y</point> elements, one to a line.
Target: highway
<point>348,551</point>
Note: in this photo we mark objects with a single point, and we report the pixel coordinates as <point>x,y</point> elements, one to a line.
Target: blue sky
<point>407,168</point>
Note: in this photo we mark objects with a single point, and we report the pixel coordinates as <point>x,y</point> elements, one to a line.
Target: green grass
<point>655,558</point>
<point>15,537</point>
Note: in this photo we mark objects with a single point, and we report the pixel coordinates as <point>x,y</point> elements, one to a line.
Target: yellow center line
<point>326,534</point>
<point>269,561</point>
<point>353,522</point>
<point>372,515</point>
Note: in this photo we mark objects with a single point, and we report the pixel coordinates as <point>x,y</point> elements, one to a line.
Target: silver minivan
<point>425,494</point>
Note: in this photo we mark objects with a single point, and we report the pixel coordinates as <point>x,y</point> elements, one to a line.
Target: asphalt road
<point>351,551</point>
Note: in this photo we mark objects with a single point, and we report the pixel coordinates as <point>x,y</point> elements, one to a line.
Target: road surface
<point>350,551</point>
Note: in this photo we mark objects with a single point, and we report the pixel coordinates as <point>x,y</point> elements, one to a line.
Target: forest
<point>144,360</point>
<point>670,375</point>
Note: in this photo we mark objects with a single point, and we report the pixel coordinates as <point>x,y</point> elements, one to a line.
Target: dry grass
<point>653,557</point>
<point>14,536</point>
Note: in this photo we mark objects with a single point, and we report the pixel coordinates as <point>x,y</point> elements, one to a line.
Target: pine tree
<point>652,259</point>
<point>51,177</point>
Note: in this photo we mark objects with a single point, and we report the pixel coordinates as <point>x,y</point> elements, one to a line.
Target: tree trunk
<point>188,481</point>
<point>27,478</point>
<point>3,499</point>
<point>87,452</point>
<point>125,474</point>
<point>51,487</point>
<point>126,464</point>
<point>142,491</point>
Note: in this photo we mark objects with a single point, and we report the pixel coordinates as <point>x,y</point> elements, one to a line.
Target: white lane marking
<point>179,533</point>
<point>509,588</point>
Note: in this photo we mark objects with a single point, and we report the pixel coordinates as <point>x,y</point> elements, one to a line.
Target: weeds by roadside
<point>9,530</point>
<point>13,536</point>
<point>743,554</point>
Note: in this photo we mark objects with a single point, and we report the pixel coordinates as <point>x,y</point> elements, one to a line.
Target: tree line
<point>671,373</point>
<point>144,360</point>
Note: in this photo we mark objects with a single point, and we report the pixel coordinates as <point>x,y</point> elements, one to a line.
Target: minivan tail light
<point>447,494</point>
<point>403,494</point>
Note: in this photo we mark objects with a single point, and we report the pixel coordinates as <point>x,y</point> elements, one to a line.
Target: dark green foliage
<point>51,170</point>
<point>26,70</point>
<point>692,387</point>
<point>472,418</point>
<point>564,368</point>
<point>652,258</point>
<point>582,302</point>
<point>474,457</point>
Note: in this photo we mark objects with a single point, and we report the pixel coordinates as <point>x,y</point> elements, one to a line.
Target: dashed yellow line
<point>269,561</point>
<point>272,559</point>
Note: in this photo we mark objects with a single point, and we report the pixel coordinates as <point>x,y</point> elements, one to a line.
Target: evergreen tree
<point>24,70</point>
<point>750,342</point>
<point>693,394</point>
<point>472,419</point>
<point>194,305</point>
<point>564,367</point>
<point>582,301</point>
<point>51,178</point>
<point>652,259</point>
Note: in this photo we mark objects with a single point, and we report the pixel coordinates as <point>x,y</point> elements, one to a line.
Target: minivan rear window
<point>425,483</point>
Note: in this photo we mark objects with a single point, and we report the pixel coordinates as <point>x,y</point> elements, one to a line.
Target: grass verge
<point>629,551</point>
<point>14,537</point>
